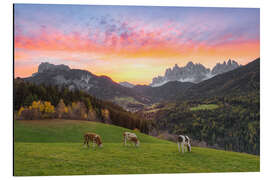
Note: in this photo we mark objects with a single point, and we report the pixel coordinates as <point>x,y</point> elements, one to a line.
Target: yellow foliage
<point>105,113</point>
<point>74,105</point>
<point>20,111</point>
<point>41,107</point>
<point>36,104</point>
<point>48,107</point>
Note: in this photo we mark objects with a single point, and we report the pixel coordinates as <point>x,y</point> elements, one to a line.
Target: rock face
<point>194,73</point>
<point>101,87</point>
<point>45,66</point>
<point>242,80</point>
<point>225,67</point>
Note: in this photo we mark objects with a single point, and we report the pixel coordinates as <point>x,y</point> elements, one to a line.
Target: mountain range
<point>101,87</point>
<point>236,82</point>
<point>194,73</point>
<point>242,79</point>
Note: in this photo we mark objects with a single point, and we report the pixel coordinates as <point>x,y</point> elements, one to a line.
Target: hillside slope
<point>35,154</point>
<point>71,131</point>
<point>239,81</point>
<point>165,92</point>
<point>102,87</point>
<point>90,108</point>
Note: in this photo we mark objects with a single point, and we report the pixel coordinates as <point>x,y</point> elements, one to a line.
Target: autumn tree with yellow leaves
<point>61,109</point>
<point>38,110</point>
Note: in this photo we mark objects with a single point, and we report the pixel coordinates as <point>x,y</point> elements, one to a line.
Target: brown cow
<point>95,138</point>
<point>131,137</point>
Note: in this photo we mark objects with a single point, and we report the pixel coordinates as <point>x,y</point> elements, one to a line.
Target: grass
<point>126,100</point>
<point>204,107</point>
<point>71,131</point>
<point>55,148</point>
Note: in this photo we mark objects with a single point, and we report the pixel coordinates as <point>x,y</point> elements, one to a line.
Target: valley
<point>198,109</point>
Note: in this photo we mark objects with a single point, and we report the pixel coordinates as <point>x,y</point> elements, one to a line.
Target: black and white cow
<point>183,143</point>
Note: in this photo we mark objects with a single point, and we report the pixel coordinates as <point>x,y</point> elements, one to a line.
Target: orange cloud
<point>159,49</point>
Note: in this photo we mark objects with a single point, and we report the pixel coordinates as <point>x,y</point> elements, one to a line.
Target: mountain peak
<point>225,67</point>
<point>190,63</point>
<point>193,72</point>
<point>46,66</point>
<point>126,84</point>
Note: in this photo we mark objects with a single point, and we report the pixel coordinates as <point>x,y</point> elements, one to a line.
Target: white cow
<point>183,143</point>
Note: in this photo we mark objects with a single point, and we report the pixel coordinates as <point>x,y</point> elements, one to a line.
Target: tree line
<point>32,101</point>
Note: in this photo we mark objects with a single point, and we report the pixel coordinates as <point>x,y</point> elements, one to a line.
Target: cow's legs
<point>182,146</point>
<point>178,146</point>
<point>87,141</point>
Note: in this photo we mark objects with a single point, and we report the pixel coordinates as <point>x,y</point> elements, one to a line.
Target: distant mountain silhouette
<point>193,73</point>
<point>126,84</point>
<point>240,80</point>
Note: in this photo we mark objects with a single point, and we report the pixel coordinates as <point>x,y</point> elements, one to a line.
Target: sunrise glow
<point>132,44</point>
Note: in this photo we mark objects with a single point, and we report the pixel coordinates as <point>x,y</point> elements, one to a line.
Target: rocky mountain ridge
<point>102,87</point>
<point>194,73</point>
<point>126,84</point>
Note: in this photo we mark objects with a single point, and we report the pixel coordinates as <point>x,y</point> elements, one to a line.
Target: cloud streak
<point>81,33</point>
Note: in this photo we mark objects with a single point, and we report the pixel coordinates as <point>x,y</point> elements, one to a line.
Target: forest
<point>33,101</point>
<point>234,125</point>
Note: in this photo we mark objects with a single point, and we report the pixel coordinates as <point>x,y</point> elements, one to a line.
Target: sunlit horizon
<point>133,44</point>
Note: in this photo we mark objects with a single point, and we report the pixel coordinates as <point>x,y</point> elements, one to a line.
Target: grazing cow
<point>183,143</point>
<point>95,138</point>
<point>131,137</point>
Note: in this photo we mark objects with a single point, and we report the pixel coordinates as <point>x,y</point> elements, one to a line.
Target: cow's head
<point>189,147</point>
<point>137,143</point>
<point>98,141</point>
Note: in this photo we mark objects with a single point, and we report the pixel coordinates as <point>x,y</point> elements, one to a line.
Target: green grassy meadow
<point>126,100</point>
<point>55,147</point>
<point>204,107</point>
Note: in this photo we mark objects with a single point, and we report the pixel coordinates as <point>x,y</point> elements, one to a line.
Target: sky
<point>132,43</point>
